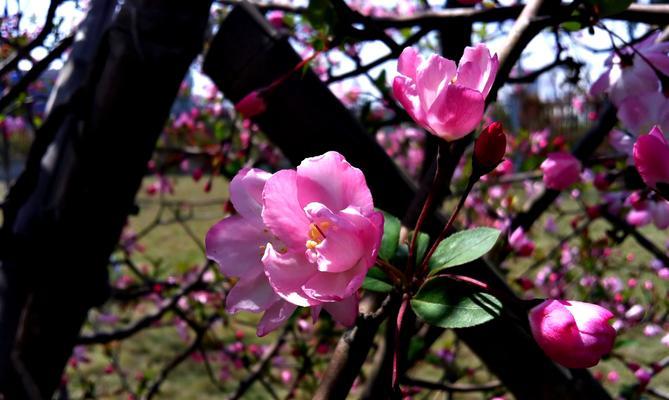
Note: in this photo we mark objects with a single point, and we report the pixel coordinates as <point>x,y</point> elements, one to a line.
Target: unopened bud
<point>489,148</point>
<point>251,105</point>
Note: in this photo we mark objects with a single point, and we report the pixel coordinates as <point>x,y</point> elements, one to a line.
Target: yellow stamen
<point>311,244</point>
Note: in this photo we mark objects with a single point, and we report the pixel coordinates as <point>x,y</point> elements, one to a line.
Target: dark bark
<point>65,214</point>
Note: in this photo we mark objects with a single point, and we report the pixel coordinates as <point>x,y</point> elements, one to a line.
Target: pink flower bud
<point>572,333</point>
<point>251,105</point>
<point>489,148</point>
<point>560,170</point>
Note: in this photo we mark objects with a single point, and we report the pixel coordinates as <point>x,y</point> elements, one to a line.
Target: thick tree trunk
<point>65,214</point>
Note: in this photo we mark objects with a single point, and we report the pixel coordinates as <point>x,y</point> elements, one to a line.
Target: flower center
<point>317,234</point>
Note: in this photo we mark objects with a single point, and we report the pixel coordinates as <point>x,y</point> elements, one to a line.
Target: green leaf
<point>463,247</point>
<point>391,236</point>
<point>377,281</point>
<point>448,304</point>
<point>571,26</point>
<point>421,245</point>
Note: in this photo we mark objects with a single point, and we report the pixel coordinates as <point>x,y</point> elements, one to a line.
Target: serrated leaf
<point>463,247</point>
<point>377,281</point>
<point>448,304</point>
<point>391,236</point>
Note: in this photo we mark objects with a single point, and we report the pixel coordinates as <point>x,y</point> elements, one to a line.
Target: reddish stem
<point>472,180</point>
<point>427,206</point>
<point>398,335</point>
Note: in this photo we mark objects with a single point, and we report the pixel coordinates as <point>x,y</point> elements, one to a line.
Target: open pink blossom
<point>560,170</point>
<point>324,216</point>
<point>446,100</point>
<point>572,333</point>
<point>651,158</point>
<point>629,74</point>
<point>238,243</point>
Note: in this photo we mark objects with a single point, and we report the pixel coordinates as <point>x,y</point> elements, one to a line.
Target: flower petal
<point>408,62</point>
<point>328,287</point>
<point>275,316</point>
<point>477,69</point>
<point>330,180</point>
<point>251,294</point>
<point>651,158</point>
<point>456,112</point>
<point>282,213</point>
<point>237,246</point>
<point>246,193</point>
<point>345,312</point>
<point>406,93</point>
<point>287,273</point>
<point>432,76</point>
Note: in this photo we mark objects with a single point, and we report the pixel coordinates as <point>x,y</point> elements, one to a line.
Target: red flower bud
<point>251,105</point>
<point>489,148</point>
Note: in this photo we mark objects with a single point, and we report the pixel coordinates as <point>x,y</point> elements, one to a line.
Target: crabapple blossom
<point>329,233</point>
<point>572,333</point>
<point>446,100</point>
<point>560,170</point>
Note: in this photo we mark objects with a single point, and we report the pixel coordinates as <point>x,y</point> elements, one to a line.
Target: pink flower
<point>251,105</point>
<point>572,333</point>
<point>324,216</point>
<point>560,170</point>
<point>660,212</point>
<point>447,101</point>
<point>237,244</point>
<point>629,74</point>
<point>276,19</point>
<point>520,243</point>
<point>651,157</point>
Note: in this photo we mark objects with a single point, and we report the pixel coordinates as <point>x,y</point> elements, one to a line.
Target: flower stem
<point>470,184</point>
<point>427,206</point>
<point>398,347</point>
<point>395,273</point>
